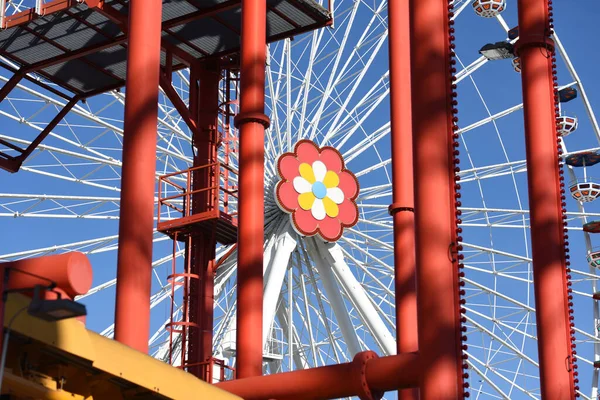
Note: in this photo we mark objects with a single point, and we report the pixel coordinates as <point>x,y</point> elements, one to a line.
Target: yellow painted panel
<point>109,356</point>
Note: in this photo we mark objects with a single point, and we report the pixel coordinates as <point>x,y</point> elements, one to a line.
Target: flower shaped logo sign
<point>317,191</point>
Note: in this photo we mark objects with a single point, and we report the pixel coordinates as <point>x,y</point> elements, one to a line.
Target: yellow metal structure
<point>64,360</point>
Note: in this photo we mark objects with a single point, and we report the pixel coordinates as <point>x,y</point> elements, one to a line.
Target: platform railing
<point>175,193</point>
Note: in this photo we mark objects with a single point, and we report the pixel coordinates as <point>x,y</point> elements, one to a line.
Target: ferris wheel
<point>329,289</point>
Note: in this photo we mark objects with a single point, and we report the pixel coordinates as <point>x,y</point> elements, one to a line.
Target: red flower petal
<point>307,152</point>
<point>332,159</point>
<point>330,229</point>
<point>287,196</point>
<point>304,222</point>
<point>348,184</point>
<point>288,166</point>
<point>348,215</point>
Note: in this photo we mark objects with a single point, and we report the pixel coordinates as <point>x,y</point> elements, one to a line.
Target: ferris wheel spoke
<point>285,244</point>
<point>156,299</point>
<point>305,264</point>
<point>582,91</point>
<point>364,67</point>
<point>336,301</point>
<point>112,282</point>
<point>300,359</point>
<point>498,252</point>
<point>480,288</point>
<point>333,72</point>
<point>500,322</point>
<point>494,371</point>
<point>274,94</point>
<point>333,256</point>
<point>369,141</point>
<point>307,314</point>
<point>515,351</point>
<point>303,93</point>
<point>358,80</point>
<point>57,206</point>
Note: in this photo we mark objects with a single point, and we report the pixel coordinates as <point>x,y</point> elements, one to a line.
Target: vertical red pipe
<point>435,222</point>
<point>208,120</point>
<point>134,265</point>
<point>251,122</point>
<point>202,251</point>
<point>547,236</point>
<point>4,271</point>
<point>402,208</point>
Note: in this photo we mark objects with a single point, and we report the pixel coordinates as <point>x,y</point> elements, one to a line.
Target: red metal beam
<point>202,251</point>
<point>37,82</point>
<point>435,221</point>
<point>403,205</point>
<point>203,13</point>
<point>11,83</point>
<point>11,146</point>
<point>365,376</point>
<point>8,164</point>
<point>134,264</point>
<point>179,105</point>
<point>547,236</point>
<point>13,164</point>
<point>26,16</point>
<point>50,78</point>
<point>121,20</point>
<point>51,125</point>
<point>251,122</point>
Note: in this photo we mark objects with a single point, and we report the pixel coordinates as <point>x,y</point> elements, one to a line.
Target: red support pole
<point>252,123</point>
<point>435,221</point>
<point>202,251</point>
<point>402,208</point>
<point>134,264</point>
<point>366,377</point>
<point>547,235</point>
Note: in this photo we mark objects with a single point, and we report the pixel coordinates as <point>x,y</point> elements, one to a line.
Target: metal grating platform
<point>83,49</point>
<point>222,225</point>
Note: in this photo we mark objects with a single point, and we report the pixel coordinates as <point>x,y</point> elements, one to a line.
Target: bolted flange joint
<point>359,367</point>
<point>396,208</point>
<point>534,41</point>
<point>245,117</point>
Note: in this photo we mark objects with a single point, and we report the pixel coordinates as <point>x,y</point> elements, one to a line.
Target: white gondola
<point>489,8</point>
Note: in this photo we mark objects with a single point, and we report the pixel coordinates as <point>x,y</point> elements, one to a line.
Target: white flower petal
<point>320,170</point>
<point>318,210</point>
<point>336,195</point>
<point>301,185</point>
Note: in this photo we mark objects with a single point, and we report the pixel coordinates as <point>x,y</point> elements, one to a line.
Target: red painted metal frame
<point>547,230</point>
<point>436,369</point>
<point>251,122</point>
<point>402,208</point>
<point>202,247</point>
<point>179,105</point>
<point>13,163</point>
<point>136,222</point>
<point>366,376</point>
<point>435,221</point>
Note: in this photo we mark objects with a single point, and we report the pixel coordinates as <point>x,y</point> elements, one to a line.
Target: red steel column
<point>547,236</point>
<point>134,265</point>
<point>203,245</point>
<point>402,208</point>
<point>251,122</point>
<point>435,222</point>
